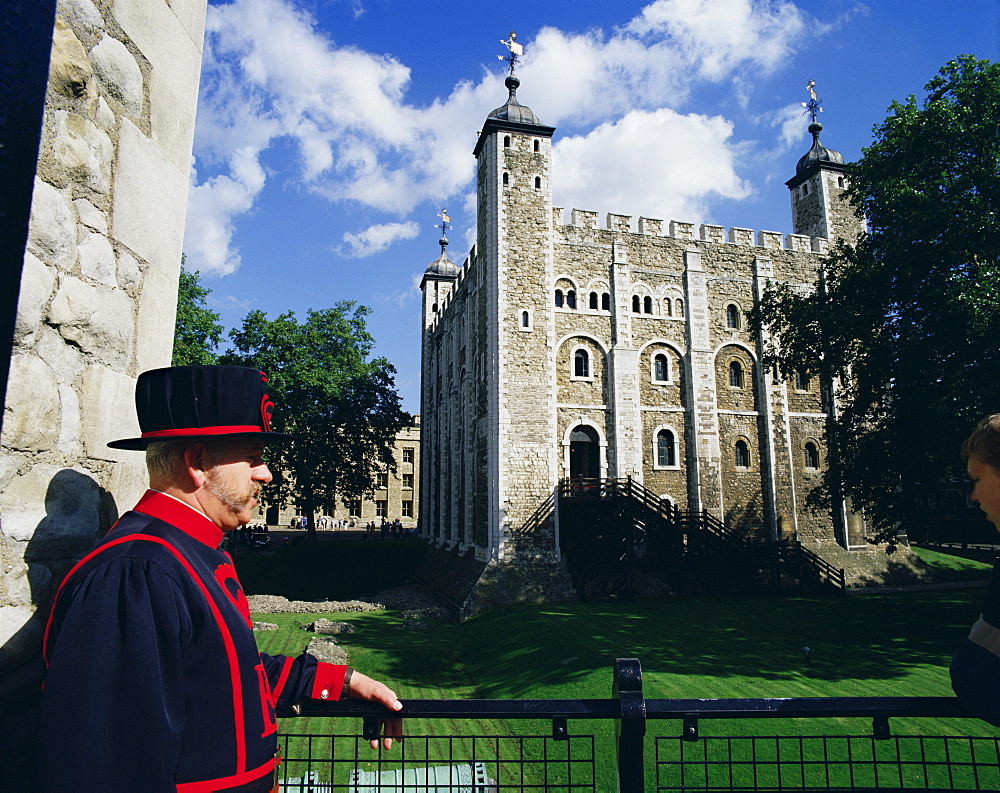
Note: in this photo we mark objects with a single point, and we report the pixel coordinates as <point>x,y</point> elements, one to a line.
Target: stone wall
<point>97,301</point>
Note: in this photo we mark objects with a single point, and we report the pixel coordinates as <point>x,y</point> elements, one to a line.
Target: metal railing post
<point>631,727</point>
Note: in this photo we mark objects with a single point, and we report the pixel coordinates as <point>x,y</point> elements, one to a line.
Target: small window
<point>593,301</point>
<point>408,481</point>
<point>801,380</point>
<point>805,189</point>
<point>605,302</point>
<point>408,455</point>
<point>661,368</point>
<point>506,141</point>
<point>525,319</point>
<point>406,508</point>
<point>559,298</point>
<point>811,455</point>
<point>732,316</point>
<point>581,363</point>
<point>354,508</point>
<point>381,509</point>
<point>506,179</point>
<point>741,454</point>
<point>571,298</point>
<point>840,182</point>
<point>635,304</point>
<point>647,305</point>
<point>668,307</point>
<point>382,479</point>
<point>666,449</point>
<point>736,374</point>
<point>538,182</point>
<point>537,147</point>
<point>680,307</point>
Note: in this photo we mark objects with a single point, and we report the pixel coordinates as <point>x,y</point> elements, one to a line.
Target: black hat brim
<point>141,444</point>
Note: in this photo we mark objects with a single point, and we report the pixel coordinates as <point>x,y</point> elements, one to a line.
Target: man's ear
<point>196,463</point>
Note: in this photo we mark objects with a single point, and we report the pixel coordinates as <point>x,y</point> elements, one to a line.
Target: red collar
<point>184,517</point>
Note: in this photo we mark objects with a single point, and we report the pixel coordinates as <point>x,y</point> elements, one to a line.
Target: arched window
<point>680,307</point>
<point>801,380</point>
<point>536,145</point>
<point>538,182</point>
<point>559,298</point>
<point>506,141</point>
<point>732,316</point>
<point>666,449</point>
<point>741,454</point>
<point>605,302</point>
<point>593,300</point>
<point>570,298</point>
<point>506,179</point>
<point>581,363</point>
<point>661,368</point>
<point>647,305</point>
<point>635,304</point>
<point>668,307</point>
<point>840,181</point>
<point>810,455</point>
<point>525,319</point>
<point>735,374</point>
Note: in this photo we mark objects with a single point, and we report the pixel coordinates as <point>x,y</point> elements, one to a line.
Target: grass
<point>958,565</point>
<point>897,645</point>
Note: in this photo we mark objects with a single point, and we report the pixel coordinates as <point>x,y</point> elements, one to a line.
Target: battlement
<point>706,233</point>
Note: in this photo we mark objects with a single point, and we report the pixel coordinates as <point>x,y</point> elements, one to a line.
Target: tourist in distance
<point>154,680</point>
<point>975,667</point>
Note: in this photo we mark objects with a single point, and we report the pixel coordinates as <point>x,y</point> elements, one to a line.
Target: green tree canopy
<point>909,318</point>
<point>342,407</point>
<point>197,332</point>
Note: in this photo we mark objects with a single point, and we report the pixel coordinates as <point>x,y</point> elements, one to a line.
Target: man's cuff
<point>329,681</point>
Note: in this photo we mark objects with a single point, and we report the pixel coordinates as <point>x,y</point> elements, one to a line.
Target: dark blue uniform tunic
<point>975,667</point>
<point>154,680</point>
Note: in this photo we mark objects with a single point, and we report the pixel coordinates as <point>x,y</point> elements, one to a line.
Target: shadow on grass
<point>505,650</point>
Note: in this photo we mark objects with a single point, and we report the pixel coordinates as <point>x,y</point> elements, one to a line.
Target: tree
<point>197,332</point>
<point>908,319</point>
<point>342,408</point>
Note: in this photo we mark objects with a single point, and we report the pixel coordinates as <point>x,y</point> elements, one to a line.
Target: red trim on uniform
<point>286,668</point>
<point>329,678</point>
<point>230,429</point>
<point>226,782</point>
<point>181,516</point>
<point>227,639</point>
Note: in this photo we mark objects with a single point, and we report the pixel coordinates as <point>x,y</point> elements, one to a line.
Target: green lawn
<point>957,565</point>
<point>896,645</point>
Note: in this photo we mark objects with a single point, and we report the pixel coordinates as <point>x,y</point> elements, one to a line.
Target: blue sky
<point>331,132</point>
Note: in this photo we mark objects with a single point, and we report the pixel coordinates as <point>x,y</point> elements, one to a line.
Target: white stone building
<point>563,349</point>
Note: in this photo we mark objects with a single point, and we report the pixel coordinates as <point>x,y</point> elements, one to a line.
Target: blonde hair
<point>984,442</point>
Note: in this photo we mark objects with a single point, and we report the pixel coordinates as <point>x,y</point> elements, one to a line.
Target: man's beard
<point>232,496</point>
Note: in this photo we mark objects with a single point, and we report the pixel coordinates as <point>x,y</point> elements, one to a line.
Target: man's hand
<point>363,687</point>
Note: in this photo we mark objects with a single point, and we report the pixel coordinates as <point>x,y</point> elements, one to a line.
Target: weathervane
<point>515,49</point>
<point>813,106</point>
<point>445,221</point>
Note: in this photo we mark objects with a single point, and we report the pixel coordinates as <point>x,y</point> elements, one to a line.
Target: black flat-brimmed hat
<point>202,401</point>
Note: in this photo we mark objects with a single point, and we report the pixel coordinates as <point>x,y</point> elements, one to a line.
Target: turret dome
<point>818,154</point>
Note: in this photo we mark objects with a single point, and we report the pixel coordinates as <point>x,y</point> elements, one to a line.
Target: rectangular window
<point>382,479</point>
<point>381,509</point>
<point>354,508</point>
<point>407,455</point>
<point>408,481</point>
<point>407,509</point>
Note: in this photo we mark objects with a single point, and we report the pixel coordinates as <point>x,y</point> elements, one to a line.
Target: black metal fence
<point>447,749</point>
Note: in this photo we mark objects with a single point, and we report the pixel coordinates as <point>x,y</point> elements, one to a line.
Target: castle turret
<point>819,206</point>
<point>439,278</point>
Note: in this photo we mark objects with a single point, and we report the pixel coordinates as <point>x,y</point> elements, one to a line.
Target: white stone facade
<point>566,349</point>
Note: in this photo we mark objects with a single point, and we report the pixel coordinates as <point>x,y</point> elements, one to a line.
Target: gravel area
<point>403,598</point>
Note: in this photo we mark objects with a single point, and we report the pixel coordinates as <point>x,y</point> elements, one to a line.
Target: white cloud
<point>657,163</point>
<point>376,238</point>
<point>271,79</point>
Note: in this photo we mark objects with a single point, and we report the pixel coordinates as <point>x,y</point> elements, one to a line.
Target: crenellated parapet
<point>683,230</point>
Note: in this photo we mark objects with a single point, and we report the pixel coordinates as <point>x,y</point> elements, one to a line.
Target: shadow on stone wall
<point>78,511</point>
